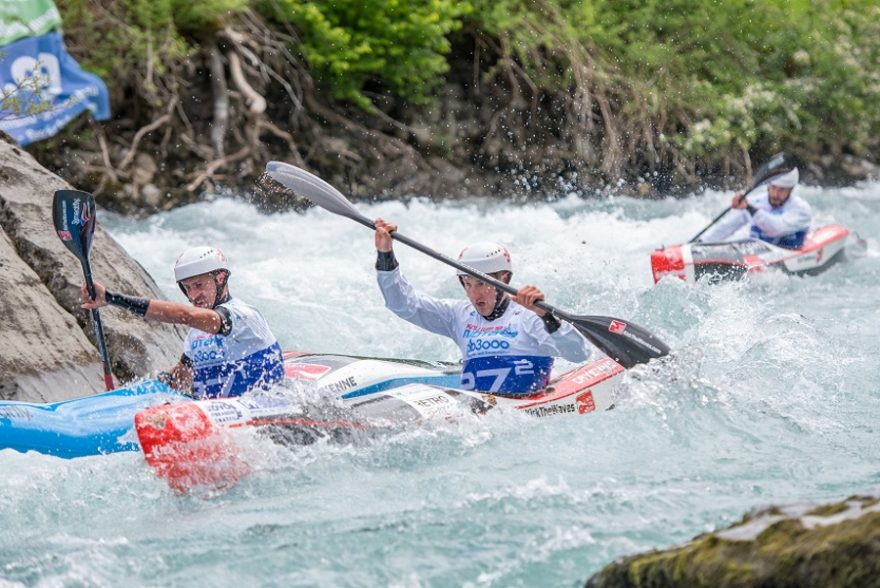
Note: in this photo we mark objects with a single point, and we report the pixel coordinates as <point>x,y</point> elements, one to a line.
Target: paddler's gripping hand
<point>739,201</point>
<point>527,296</point>
<point>383,235</point>
<point>100,296</point>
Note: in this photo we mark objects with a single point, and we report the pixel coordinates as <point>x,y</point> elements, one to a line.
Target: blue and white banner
<point>42,88</point>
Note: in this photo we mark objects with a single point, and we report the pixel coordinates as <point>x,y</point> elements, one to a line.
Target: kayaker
<point>508,344</point>
<point>229,349</point>
<point>777,215</point>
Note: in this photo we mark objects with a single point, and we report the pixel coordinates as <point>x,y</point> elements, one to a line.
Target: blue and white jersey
<point>785,226</point>
<point>512,354</point>
<point>247,357</point>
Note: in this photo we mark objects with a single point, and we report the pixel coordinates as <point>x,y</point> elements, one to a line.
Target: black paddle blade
<point>73,213</point>
<point>626,343</point>
<point>780,163</point>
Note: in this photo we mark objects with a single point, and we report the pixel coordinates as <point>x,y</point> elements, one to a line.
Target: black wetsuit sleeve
<point>134,304</point>
<point>385,261</point>
<point>752,210</point>
<point>225,321</point>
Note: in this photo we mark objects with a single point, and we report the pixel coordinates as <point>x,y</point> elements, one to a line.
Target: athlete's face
<point>778,195</point>
<point>201,290</point>
<point>481,294</point>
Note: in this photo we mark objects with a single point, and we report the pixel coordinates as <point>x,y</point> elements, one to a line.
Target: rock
<point>798,545</point>
<point>144,169</point>
<point>151,196</point>
<point>859,168</point>
<point>47,347</point>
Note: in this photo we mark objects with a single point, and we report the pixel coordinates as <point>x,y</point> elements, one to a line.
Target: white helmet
<point>786,180</point>
<point>486,257</point>
<point>196,261</point>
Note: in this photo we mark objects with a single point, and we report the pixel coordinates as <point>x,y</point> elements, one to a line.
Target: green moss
<point>828,510</point>
<point>784,555</point>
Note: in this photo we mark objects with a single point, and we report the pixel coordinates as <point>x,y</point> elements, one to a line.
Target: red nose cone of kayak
<point>182,445</point>
<point>667,261</point>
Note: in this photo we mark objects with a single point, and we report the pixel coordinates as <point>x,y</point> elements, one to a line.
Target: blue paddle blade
<point>73,214</point>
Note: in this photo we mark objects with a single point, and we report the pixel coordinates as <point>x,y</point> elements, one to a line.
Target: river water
<point>773,397</point>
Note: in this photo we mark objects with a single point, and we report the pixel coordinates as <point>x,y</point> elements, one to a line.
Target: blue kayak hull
<point>92,425</point>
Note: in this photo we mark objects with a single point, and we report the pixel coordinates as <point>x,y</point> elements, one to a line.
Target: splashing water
<point>772,397</point>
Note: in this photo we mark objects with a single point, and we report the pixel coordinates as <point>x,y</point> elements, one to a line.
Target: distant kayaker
<point>507,344</point>
<point>777,215</point>
<point>229,349</point>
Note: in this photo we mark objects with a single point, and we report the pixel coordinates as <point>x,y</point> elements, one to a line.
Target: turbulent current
<point>772,396</point>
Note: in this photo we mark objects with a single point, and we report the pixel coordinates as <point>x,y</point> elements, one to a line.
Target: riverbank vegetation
<point>485,96</point>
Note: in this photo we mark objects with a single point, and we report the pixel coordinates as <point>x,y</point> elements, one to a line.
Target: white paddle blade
<point>312,188</point>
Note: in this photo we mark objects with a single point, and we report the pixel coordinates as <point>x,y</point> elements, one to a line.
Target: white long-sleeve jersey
<point>511,354</point>
<point>785,226</point>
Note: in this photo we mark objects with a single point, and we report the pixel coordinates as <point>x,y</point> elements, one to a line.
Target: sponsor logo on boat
<point>585,402</point>
<point>553,409</point>
<point>65,235</point>
<point>154,419</point>
<point>305,371</point>
<point>433,401</point>
<point>223,412</point>
<point>617,326</point>
<point>590,373</point>
<point>14,412</point>
<point>340,386</point>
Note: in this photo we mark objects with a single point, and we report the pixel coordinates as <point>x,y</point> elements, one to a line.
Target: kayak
<point>91,425</point>
<point>368,390</point>
<point>192,443</point>
<point>733,260</point>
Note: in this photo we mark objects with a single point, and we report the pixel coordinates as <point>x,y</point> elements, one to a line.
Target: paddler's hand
<point>527,296</point>
<point>100,296</point>
<point>383,235</point>
<point>739,202</point>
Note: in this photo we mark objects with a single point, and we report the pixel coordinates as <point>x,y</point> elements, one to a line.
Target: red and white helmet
<point>486,257</point>
<point>196,261</point>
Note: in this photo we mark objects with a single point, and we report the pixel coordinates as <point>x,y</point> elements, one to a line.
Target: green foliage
<point>351,43</point>
<point>143,35</point>
<point>683,80</point>
<point>182,16</point>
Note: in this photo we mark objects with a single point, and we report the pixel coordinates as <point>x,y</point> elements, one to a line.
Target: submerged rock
<point>47,343</point>
<point>799,545</point>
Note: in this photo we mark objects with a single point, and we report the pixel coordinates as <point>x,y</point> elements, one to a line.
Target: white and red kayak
<point>732,260</point>
<point>191,443</point>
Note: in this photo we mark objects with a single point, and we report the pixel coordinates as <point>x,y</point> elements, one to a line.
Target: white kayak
<point>189,443</point>
<point>732,260</point>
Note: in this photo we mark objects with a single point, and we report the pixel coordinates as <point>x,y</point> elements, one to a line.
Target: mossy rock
<point>832,545</point>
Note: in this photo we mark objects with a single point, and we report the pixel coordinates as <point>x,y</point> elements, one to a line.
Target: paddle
<point>779,164</point>
<point>626,343</point>
<point>73,213</point>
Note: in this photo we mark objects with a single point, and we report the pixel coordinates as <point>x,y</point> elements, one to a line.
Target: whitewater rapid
<point>773,396</point>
